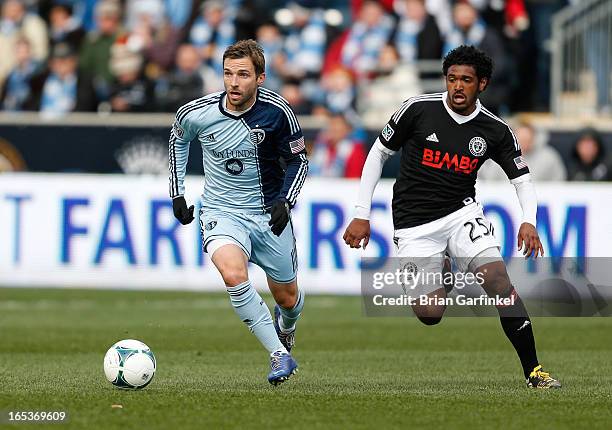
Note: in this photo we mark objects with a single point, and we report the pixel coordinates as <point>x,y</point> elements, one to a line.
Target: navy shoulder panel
<point>279,106</point>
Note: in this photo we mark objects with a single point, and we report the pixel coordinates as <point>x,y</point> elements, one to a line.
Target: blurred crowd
<point>358,57</point>
<point>346,60</point>
<point>587,161</point>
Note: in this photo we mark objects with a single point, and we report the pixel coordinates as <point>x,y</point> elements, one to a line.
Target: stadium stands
<point>360,58</point>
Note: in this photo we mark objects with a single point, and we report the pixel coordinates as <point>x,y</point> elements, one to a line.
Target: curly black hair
<point>468,55</point>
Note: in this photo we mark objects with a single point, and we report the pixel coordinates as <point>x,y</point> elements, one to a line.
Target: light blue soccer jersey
<point>241,152</point>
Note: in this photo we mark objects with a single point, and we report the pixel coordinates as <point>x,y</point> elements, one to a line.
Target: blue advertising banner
<point>118,231</point>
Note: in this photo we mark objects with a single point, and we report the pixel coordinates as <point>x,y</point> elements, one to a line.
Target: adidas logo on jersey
<point>209,138</point>
<point>432,138</point>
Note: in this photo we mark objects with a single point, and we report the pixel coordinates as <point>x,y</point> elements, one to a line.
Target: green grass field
<point>355,372</point>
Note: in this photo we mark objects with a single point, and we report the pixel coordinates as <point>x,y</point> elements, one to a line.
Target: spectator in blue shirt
<point>62,89</point>
<point>367,36</point>
<point>16,89</point>
<point>213,32</point>
<point>271,40</point>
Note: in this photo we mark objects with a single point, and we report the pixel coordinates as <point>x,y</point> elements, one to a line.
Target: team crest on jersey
<point>387,132</point>
<point>257,135</point>
<point>210,225</point>
<point>178,130</point>
<point>234,166</point>
<point>478,146</point>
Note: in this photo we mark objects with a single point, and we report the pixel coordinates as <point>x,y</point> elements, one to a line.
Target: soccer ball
<point>129,364</point>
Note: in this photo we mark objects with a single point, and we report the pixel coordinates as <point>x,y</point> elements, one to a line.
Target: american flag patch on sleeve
<point>520,163</point>
<point>297,145</point>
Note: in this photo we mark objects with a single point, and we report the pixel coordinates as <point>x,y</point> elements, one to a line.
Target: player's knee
<point>233,276</point>
<point>287,300</point>
<point>496,280</point>
<point>429,315</point>
<point>430,320</point>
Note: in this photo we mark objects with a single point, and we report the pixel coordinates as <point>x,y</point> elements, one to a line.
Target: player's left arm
<point>528,238</point>
<point>509,156</point>
<point>292,149</point>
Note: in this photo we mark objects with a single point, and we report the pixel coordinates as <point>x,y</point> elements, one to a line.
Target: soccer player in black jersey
<point>445,138</point>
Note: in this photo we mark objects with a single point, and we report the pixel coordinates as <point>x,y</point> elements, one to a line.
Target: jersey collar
<point>460,119</point>
<point>235,114</point>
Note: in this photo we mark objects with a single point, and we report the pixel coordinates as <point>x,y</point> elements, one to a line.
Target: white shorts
<point>464,234</point>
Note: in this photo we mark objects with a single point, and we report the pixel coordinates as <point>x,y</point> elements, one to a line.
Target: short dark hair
<point>468,55</point>
<point>247,49</point>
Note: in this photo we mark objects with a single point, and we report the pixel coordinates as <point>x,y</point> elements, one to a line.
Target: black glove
<point>279,216</point>
<point>181,212</point>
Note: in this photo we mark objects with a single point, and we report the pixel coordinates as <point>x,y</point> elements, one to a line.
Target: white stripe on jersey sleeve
<point>172,167</point>
<point>425,97</point>
<point>293,124</point>
<point>182,112</point>
<point>277,100</point>
<point>296,186</point>
<point>496,118</point>
<point>178,165</point>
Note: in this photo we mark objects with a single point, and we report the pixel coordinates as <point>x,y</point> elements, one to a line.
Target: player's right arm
<point>181,135</point>
<point>390,140</point>
<point>359,228</point>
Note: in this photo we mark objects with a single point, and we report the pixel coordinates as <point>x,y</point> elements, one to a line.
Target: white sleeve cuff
<point>528,200</point>
<point>361,212</point>
<point>370,176</point>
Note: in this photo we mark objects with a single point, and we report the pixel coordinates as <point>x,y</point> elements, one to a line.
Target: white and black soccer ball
<point>129,364</point>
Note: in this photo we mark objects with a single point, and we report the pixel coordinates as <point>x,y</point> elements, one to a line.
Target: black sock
<point>517,326</point>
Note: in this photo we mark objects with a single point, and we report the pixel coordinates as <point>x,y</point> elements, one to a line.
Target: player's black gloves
<point>181,212</point>
<point>279,216</point>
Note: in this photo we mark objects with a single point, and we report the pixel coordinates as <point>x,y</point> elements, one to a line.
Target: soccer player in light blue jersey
<point>255,165</point>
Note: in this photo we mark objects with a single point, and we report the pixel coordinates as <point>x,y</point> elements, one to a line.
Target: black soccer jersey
<point>442,151</point>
